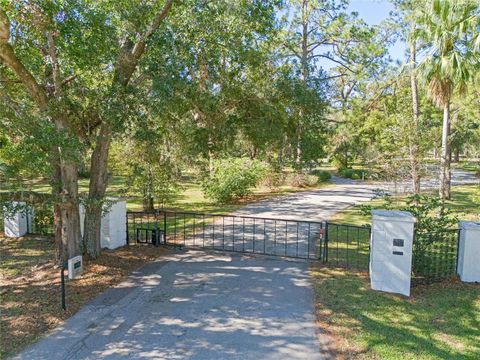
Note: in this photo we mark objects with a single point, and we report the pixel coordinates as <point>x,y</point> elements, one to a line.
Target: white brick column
<point>468,266</point>
<point>15,225</point>
<point>391,247</point>
<point>113,228</point>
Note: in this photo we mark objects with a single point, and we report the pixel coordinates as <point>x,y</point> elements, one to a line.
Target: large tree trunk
<point>304,76</point>
<point>56,184</point>
<point>444,191</point>
<point>298,150</point>
<point>96,192</point>
<point>211,157</point>
<point>413,138</point>
<point>69,213</point>
<point>456,153</point>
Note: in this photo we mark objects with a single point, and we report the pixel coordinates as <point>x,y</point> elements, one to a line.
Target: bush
<point>354,174</point>
<point>232,178</point>
<point>272,179</point>
<point>322,175</point>
<point>301,180</point>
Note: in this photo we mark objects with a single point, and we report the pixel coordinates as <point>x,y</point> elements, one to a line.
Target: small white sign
<point>75,267</point>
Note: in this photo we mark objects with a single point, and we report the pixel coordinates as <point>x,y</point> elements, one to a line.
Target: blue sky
<point>373,12</point>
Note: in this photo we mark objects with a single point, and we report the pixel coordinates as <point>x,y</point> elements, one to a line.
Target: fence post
<point>391,251</point>
<point>126,229</point>
<point>468,266</point>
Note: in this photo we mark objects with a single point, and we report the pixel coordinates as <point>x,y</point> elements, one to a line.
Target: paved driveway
<point>317,205</point>
<point>195,305</point>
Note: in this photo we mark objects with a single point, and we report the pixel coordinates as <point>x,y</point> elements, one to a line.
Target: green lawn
<point>189,198</point>
<point>467,165</point>
<point>465,204</point>
<point>439,321</point>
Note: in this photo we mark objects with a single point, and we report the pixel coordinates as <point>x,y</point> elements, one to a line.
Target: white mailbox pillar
<point>113,230</point>
<point>468,267</point>
<point>391,247</point>
<point>15,224</point>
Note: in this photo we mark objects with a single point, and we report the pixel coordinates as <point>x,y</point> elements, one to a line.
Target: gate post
<point>468,266</point>
<point>391,246</point>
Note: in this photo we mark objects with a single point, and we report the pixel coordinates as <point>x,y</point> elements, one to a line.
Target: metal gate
<point>338,244</point>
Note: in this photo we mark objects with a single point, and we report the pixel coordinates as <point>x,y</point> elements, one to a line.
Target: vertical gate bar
<point>213,231</point>
<point>348,250</point>
<point>135,228</point>
<point>336,238</point>
<point>264,235</point>
<point>308,242</point>
<point>233,232</point>
<point>297,238</point>
<point>321,238</point>
<point>286,235</point>
<point>126,227</point>
<point>184,230</point>
<point>194,235</point>
<point>157,230</point>
<point>458,232</point>
<point>223,232</point>
<point>243,235</point>
<point>358,245</point>
<point>326,242</point>
<point>175,227</point>
<point>203,230</point>
<point>369,233</point>
<point>164,227</point>
<point>254,235</point>
<point>275,238</point>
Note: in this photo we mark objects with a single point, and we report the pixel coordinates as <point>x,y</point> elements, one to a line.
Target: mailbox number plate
<point>398,242</point>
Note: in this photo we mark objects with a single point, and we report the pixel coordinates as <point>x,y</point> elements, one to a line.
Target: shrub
<point>322,175</point>
<point>301,180</point>
<point>232,178</point>
<point>272,179</point>
<point>354,174</point>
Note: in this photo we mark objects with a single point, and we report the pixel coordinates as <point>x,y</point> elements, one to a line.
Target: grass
<point>190,197</point>
<point>30,286</point>
<point>440,321</point>
<point>464,203</point>
<point>467,165</point>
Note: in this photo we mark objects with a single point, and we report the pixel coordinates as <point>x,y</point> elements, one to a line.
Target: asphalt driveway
<point>196,305</point>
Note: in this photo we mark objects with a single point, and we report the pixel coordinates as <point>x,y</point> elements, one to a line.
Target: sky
<point>373,12</point>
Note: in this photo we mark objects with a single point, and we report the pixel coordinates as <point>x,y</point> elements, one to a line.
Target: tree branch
<point>52,51</point>
<point>8,57</point>
<point>130,55</point>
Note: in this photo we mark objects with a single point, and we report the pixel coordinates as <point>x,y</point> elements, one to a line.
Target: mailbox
<point>391,246</point>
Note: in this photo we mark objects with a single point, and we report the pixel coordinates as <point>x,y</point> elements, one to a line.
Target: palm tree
<point>448,32</point>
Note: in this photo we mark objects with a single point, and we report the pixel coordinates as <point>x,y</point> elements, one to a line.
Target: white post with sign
<point>468,267</point>
<point>391,247</point>
<point>75,267</point>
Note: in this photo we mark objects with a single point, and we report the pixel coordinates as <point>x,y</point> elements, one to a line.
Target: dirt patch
<point>30,286</point>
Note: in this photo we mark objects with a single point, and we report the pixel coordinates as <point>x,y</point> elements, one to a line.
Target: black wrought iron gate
<point>341,245</point>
